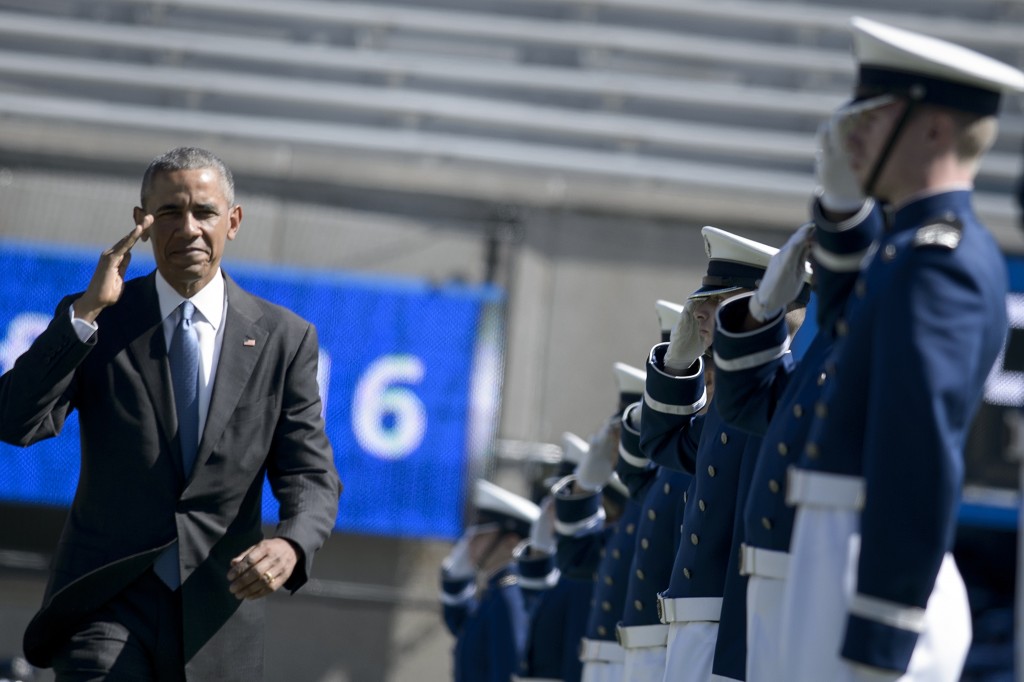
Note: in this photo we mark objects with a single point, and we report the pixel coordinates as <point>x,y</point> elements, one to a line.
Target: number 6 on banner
<point>389,420</point>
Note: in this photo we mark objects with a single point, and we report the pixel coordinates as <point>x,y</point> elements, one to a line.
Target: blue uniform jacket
<point>910,361</point>
<point>707,559</point>
<point>758,389</point>
<point>657,536</point>
<point>612,578</point>
<point>557,619</point>
<point>490,631</point>
<point>655,533</point>
<point>634,470</point>
<point>618,541</point>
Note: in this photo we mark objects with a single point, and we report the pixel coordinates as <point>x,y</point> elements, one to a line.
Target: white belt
<point>601,650</point>
<point>820,489</point>
<point>764,563</point>
<point>642,636</point>
<point>686,609</point>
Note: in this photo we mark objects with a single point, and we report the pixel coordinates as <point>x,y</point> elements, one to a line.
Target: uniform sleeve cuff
<point>878,645</point>
<point>578,513</point>
<point>737,350</point>
<point>629,439</point>
<point>537,571</point>
<point>844,247</point>
<point>456,591</point>
<point>676,395</point>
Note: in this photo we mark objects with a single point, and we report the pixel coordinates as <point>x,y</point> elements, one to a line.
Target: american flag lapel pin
<point>249,342</point>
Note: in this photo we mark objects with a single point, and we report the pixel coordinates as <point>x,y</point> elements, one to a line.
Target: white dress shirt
<point>211,306</point>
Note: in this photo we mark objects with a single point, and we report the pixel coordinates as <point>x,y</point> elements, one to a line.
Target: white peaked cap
<point>668,314</point>
<point>722,245</point>
<point>630,379</point>
<point>492,498</point>
<point>734,262</point>
<point>933,70</point>
<point>573,447</point>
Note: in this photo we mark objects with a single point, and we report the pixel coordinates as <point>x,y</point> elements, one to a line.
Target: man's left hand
<point>262,569</point>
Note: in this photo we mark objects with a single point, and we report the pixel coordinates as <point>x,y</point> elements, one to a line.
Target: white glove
<point>597,465</point>
<point>838,187</point>
<point>458,563</point>
<point>684,345</point>
<point>784,277</point>
<point>542,531</point>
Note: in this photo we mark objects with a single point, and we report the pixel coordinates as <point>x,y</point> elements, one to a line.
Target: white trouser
<point>644,665</point>
<point>644,647</point>
<point>764,621</point>
<point>691,650</point>
<point>603,671</point>
<point>602,661</point>
<point>824,554</point>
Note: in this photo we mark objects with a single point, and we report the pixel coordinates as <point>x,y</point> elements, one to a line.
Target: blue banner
<point>406,376</point>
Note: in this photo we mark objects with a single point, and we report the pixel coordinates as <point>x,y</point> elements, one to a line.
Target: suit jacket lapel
<point>141,325</point>
<point>237,360</point>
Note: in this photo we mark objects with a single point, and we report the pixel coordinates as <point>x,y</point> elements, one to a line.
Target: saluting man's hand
<point>597,465</point>
<point>107,281</point>
<point>839,189</point>
<point>262,569</point>
<point>684,346</point>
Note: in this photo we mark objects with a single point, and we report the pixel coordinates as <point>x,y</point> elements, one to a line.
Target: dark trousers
<point>135,637</point>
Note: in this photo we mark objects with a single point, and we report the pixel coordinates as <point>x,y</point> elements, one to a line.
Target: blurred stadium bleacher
<point>668,108</point>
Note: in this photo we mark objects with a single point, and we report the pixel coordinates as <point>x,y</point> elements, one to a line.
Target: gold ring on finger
<point>268,578</point>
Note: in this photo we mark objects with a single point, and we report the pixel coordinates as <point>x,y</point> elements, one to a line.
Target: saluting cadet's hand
<point>597,465</point>
<point>542,531</point>
<point>684,344</point>
<point>838,189</point>
<point>458,563</point>
<point>107,281</point>
<point>262,569</point>
<point>783,279</point>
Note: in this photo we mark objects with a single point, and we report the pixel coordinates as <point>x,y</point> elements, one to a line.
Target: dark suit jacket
<point>133,499</point>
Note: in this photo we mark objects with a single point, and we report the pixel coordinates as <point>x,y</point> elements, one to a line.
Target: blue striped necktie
<point>184,361</point>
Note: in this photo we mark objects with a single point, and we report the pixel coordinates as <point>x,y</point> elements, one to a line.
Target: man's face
<point>482,542</point>
<point>704,312</point>
<point>864,135</point>
<point>192,221</point>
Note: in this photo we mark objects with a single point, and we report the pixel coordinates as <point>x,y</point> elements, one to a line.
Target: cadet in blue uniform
<point>558,619</point>
<point>588,503</point>
<point>491,630</point>
<point>880,474</point>
<point>758,391</point>
<point>546,598</point>
<point>721,458</point>
<point>555,620</point>
<point>600,653</point>
<point>659,492</point>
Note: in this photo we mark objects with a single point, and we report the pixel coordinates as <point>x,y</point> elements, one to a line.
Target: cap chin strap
<point>912,99</point>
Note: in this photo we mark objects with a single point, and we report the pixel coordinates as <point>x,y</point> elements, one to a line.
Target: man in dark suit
<point>189,390</point>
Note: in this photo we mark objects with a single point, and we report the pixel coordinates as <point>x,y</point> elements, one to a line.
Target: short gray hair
<point>188,158</point>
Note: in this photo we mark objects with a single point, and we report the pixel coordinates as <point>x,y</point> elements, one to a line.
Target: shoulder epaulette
<point>944,233</point>
<point>508,581</point>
